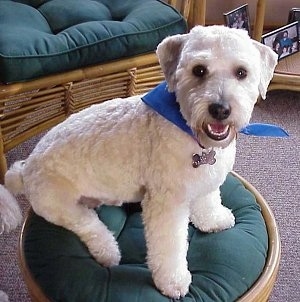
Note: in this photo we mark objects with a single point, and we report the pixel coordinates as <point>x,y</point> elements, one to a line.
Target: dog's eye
<point>200,71</point>
<point>241,73</point>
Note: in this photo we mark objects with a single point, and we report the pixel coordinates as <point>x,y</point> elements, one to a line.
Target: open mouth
<point>217,131</point>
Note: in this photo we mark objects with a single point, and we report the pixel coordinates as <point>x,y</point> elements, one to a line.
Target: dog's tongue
<point>217,128</point>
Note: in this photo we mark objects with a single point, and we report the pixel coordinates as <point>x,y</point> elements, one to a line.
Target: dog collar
<point>164,103</point>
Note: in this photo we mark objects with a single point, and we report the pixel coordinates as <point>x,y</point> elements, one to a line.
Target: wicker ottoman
<point>237,264</point>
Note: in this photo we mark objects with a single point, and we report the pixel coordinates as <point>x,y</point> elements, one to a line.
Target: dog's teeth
<point>218,130</point>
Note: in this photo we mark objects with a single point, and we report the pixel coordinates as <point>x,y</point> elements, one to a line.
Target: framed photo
<point>294,15</point>
<point>238,18</point>
<point>284,40</point>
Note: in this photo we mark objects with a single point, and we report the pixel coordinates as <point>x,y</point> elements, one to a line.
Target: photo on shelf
<point>294,15</point>
<point>284,40</point>
<point>238,18</point>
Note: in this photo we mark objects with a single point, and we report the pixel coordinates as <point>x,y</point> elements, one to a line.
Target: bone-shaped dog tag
<point>204,158</point>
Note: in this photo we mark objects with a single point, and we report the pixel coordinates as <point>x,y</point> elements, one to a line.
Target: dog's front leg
<point>209,215</point>
<point>166,219</point>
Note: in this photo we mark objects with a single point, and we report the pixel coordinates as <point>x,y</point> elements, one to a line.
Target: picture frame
<point>284,40</point>
<point>238,18</point>
<point>294,15</point>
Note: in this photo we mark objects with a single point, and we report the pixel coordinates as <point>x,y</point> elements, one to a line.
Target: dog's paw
<point>106,253</point>
<point>219,219</point>
<point>173,285</point>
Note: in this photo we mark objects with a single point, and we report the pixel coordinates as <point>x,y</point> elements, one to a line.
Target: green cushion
<point>223,265</point>
<point>38,38</point>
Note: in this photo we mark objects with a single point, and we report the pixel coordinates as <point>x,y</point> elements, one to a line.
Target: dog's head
<point>217,74</point>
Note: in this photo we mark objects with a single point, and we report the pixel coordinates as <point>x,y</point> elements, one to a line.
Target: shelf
<point>287,74</point>
<point>289,65</point>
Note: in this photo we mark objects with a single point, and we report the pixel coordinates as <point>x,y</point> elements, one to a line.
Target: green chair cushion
<point>224,265</point>
<point>42,37</point>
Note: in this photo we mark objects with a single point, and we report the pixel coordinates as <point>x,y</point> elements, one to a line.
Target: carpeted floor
<point>272,165</point>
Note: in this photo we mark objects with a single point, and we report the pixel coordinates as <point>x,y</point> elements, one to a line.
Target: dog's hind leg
<point>166,219</point>
<point>59,205</point>
<point>93,232</point>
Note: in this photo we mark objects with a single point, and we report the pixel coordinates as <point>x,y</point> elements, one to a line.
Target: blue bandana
<point>164,102</point>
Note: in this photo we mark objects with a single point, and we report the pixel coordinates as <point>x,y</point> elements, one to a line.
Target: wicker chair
<point>31,107</point>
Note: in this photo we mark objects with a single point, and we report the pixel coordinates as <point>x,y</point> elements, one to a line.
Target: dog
<point>10,218</point>
<point>10,212</point>
<point>125,151</point>
<point>3,296</point>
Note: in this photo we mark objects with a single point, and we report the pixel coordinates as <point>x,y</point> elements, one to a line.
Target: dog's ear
<point>269,61</point>
<point>168,52</point>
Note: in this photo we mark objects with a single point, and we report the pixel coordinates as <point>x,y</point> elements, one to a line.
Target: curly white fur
<point>3,297</point>
<point>10,212</point>
<point>122,150</point>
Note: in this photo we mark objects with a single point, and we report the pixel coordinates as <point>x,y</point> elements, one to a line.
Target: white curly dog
<point>124,151</point>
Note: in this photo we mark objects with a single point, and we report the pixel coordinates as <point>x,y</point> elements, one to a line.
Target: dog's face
<point>217,74</point>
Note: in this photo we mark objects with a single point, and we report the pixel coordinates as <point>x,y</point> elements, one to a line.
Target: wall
<point>277,11</point>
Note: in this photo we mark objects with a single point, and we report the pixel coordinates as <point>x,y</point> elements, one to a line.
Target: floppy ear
<point>269,61</point>
<point>168,52</point>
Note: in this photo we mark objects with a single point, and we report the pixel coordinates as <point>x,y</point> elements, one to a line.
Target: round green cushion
<point>223,265</point>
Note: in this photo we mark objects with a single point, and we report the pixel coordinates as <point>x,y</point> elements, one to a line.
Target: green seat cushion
<point>42,37</point>
<point>223,265</point>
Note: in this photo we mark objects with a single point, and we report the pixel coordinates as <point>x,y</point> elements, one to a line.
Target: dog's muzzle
<point>218,132</point>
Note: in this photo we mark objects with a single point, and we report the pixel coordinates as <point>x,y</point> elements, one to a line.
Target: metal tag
<point>204,158</point>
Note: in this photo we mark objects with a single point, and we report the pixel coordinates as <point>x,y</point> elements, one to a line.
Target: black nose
<point>219,111</point>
